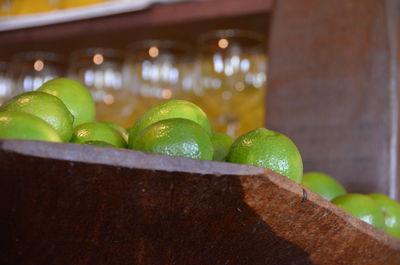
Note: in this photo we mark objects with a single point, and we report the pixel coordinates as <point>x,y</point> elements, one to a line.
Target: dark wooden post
<point>333,88</point>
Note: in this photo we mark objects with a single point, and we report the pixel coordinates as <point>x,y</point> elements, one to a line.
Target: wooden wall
<point>333,88</point>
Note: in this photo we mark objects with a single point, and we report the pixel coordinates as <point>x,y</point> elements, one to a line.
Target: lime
<point>75,96</point>
<point>391,212</point>
<point>269,149</point>
<point>20,125</point>
<point>323,184</point>
<point>176,137</point>
<point>47,107</point>
<point>121,130</point>
<point>221,143</point>
<point>362,207</point>
<point>168,110</point>
<point>96,131</point>
<point>99,143</point>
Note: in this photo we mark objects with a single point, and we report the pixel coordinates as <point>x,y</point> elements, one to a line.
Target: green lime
<point>176,137</point>
<point>20,125</point>
<point>121,130</point>
<point>391,212</point>
<point>269,149</point>
<point>169,110</point>
<point>96,131</point>
<point>221,143</point>
<point>362,207</point>
<point>47,107</point>
<point>75,96</point>
<point>99,143</point>
<point>323,184</point>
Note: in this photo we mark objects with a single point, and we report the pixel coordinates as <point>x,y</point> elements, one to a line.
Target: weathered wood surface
<point>77,204</point>
<point>333,89</point>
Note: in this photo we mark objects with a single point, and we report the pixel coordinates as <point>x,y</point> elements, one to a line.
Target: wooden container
<point>333,71</point>
<point>79,204</point>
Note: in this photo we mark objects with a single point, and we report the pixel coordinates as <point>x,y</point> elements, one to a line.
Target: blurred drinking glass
<point>30,70</point>
<point>6,87</point>
<point>161,70</point>
<point>102,72</point>
<point>232,78</point>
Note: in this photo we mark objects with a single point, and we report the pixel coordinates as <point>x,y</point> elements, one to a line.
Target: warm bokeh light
<point>223,43</point>
<point>239,86</point>
<point>166,93</point>
<point>154,52</point>
<point>98,59</point>
<point>108,99</point>
<point>38,65</point>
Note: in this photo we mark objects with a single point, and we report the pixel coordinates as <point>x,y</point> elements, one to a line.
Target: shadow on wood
<point>76,204</point>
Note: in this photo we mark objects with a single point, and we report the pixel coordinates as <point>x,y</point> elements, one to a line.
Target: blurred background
<point>223,70</point>
<point>327,80</point>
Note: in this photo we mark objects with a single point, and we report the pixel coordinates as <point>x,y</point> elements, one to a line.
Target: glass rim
<point>38,55</point>
<point>107,52</point>
<point>160,43</point>
<point>230,33</point>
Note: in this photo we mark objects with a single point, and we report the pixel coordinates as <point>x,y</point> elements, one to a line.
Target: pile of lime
<point>376,209</point>
<point>62,110</point>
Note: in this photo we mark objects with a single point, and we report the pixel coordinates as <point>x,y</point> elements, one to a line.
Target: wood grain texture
<point>392,18</point>
<point>183,21</point>
<point>329,89</point>
<point>393,11</point>
<point>76,204</point>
